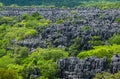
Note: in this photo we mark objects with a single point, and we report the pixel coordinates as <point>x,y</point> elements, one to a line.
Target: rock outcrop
<point>74,68</point>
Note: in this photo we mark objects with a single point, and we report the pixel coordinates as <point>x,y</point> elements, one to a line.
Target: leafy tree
<point>21,51</point>
<point>14,5</point>
<point>49,54</point>
<point>48,69</point>
<point>75,47</point>
<point>5,61</point>
<point>7,74</point>
<point>115,39</point>
<point>19,33</point>
<point>60,3</point>
<point>107,75</point>
<point>117,19</point>
<point>101,51</point>
<point>59,21</point>
<point>42,77</point>
<point>85,28</point>
<point>1,5</point>
<point>95,41</point>
<point>46,61</point>
<point>33,21</point>
<point>2,52</point>
<point>36,14</point>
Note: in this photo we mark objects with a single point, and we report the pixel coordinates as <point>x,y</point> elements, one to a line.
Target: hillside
<point>57,3</point>
<point>58,42</point>
<point>34,39</point>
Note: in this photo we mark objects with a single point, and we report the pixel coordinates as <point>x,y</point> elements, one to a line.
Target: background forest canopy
<point>55,3</point>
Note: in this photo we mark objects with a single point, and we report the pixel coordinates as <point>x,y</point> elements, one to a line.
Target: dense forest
<point>57,43</point>
<point>57,3</point>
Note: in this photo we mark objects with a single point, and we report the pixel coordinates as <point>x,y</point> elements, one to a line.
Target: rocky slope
<point>74,68</point>
<point>85,23</point>
<point>72,29</point>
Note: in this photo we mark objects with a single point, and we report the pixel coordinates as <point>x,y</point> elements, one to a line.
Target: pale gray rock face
<point>115,64</point>
<point>74,68</point>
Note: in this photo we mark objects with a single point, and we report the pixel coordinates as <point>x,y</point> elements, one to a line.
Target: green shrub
<point>115,39</point>
<point>19,33</point>
<point>8,20</point>
<point>84,28</point>
<point>117,19</point>
<point>95,41</point>
<point>60,21</point>
<point>42,77</point>
<point>50,54</point>
<point>48,68</point>
<point>101,51</point>
<point>1,4</point>
<point>46,61</point>
<point>102,4</point>
<point>20,52</point>
<point>14,5</point>
<point>37,15</point>
<point>5,61</point>
<point>34,20</point>
<point>107,75</point>
<point>2,52</point>
<point>75,47</point>
<point>7,74</point>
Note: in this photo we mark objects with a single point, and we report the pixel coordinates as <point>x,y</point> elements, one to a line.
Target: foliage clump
<point>46,61</point>
<point>101,51</point>
<point>8,74</point>
<point>115,39</point>
<point>107,75</point>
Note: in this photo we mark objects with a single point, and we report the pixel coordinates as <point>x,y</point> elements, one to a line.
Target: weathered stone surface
<point>74,68</point>
<point>115,64</point>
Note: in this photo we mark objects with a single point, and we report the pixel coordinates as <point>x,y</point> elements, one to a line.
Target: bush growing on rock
<point>103,4</point>
<point>2,52</point>
<point>1,4</point>
<point>5,61</point>
<point>20,33</point>
<point>75,47</point>
<point>117,19</point>
<point>101,51</point>
<point>59,21</point>
<point>107,75</point>
<point>34,20</point>
<point>21,52</point>
<point>46,61</point>
<point>8,74</point>
<point>115,39</point>
<point>48,69</point>
<point>95,41</point>
<point>50,54</point>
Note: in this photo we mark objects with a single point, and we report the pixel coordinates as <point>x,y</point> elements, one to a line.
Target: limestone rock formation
<point>75,68</point>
